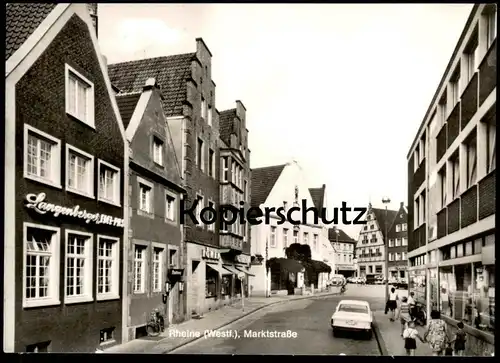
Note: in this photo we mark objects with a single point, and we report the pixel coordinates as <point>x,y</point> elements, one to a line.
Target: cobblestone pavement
<point>308,319</point>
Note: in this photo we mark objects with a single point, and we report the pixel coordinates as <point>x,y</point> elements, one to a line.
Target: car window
<point>352,308</point>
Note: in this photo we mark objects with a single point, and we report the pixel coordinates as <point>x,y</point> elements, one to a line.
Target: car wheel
<point>369,334</point>
<point>335,333</point>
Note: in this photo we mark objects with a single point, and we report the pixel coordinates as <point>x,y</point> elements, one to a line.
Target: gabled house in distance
<point>275,187</point>
<point>155,190</point>
<point>398,246</point>
<point>65,215</point>
<point>343,249</point>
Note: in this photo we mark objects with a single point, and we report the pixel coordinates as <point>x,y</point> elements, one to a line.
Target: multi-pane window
<point>211,163</point>
<point>455,87</point>
<point>78,266</point>
<point>139,268</point>
<point>109,183</point>
<point>398,228</point>
<point>443,187</point>
<point>79,97</point>
<point>404,241</point>
<point>79,171</point>
<point>200,154</point>
<point>170,207</point>
<point>471,151</point>
<point>472,57</point>
<point>455,168</point>
<point>285,237</point>
<point>398,242</point>
<point>306,238</point>
<point>157,268</point>
<point>145,204</point>
<point>157,151</point>
<point>42,155</point>
<point>225,169</point>
<point>315,242</point>
<point>273,237</point>
<point>491,145</point>
<point>107,267</point>
<point>405,227</point>
<point>41,265</point>
<point>295,237</point>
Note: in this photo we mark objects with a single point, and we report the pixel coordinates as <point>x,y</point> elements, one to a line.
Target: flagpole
<point>267,269</point>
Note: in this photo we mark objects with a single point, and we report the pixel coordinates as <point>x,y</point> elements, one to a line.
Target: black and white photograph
<point>250,179</point>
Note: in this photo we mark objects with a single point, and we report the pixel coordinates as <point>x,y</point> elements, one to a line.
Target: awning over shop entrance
<point>285,264</point>
<point>319,266</point>
<point>244,271</point>
<point>231,269</point>
<point>217,268</point>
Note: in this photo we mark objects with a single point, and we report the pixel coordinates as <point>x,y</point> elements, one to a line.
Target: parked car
<point>353,315</point>
<point>351,280</point>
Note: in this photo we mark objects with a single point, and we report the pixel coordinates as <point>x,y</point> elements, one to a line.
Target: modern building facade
<point>275,187</point>
<point>65,214</point>
<point>343,252</point>
<point>155,190</point>
<point>398,246</point>
<point>370,248</point>
<point>452,187</point>
<point>235,187</point>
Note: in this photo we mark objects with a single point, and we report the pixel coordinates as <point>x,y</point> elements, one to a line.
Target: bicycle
<point>419,316</point>
<point>156,324</point>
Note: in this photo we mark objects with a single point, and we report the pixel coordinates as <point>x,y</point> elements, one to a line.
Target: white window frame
<point>225,168</point>
<point>201,162</point>
<point>472,57</point>
<point>161,268</point>
<point>416,157</point>
<point>54,267</point>
<point>397,242</point>
<point>285,237</point>
<point>491,146</point>
<point>211,227</point>
<point>199,208</point>
<point>90,119</point>
<point>315,241</point>
<point>88,286</point>
<point>203,107</point>
<point>211,160</point>
<point>161,144</point>
<point>444,186</point>
<point>272,237</point>
<point>116,181</point>
<point>306,238</point>
<point>491,28</point>
<point>455,88</point>
<point>455,169</point>
<point>140,183</point>
<point>416,213</point>
<point>55,158</point>
<point>296,238</point>
<point>176,258</point>
<point>471,160</point>
<point>143,259</point>
<point>391,256</point>
<point>398,228</point>
<point>115,269</point>
<point>209,115</point>
<point>170,217</point>
<point>70,149</point>
<point>245,192</point>
<point>391,242</point>
<point>405,227</point>
<point>404,241</point>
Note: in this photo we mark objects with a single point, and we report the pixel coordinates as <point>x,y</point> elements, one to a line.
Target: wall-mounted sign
<point>243,259</point>
<point>175,272</point>
<point>210,254</point>
<point>37,202</point>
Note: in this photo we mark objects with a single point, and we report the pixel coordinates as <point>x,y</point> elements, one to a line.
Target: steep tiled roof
<point>263,180</point>
<point>380,217</point>
<point>400,217</point>
<point>22,19</point>
<point>343,237</point>
<point>126,104</point>
<point>226,125</point>
<point>170,73</point>
<point>318,196</point>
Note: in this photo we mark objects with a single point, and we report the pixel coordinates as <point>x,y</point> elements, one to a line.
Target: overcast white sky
<point>340,88</point>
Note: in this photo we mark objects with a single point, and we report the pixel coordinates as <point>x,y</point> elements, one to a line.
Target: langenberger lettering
<point>37,202</point>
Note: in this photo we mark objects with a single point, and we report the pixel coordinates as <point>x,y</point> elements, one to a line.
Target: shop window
<point>417,285</point>
<point>478,245</point>
<point>211,282</point>
<point>460,250</point>
<point>226,285</point>
<point>42,347</point>
<point>453,252</point>
<point>447,290</point>
<point>468,248</point>
<point>462,298</point>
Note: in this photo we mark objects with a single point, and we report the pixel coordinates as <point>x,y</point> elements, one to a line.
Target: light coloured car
<point>353,315</point>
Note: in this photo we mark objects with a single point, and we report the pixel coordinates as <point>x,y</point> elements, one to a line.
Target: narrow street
<point>309,319</point>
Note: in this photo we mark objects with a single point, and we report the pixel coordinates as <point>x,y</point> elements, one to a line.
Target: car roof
<point>354,302</point>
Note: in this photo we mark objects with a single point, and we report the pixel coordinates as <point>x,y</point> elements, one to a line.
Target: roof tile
<point>126,105</point>
<point>226,119</point>
<point>170,72</point>
<point>263,180</point>
<point>22,19</point>
<point>343,237</point>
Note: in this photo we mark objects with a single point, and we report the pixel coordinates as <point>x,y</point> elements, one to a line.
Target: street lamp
<point>386,249</point>
<point>337,232</point>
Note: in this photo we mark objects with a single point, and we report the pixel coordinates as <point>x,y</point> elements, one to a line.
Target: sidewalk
<point>169,339</point>
<point>390,337</point>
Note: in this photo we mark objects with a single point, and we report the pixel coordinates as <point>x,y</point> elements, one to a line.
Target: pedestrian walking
<point>459,340</point>
<point>448,350</point>
<point>404,314</point>
<point>392,304</point>
<point>436,334</point>
<point>413,304</point>
<point>410,335</point>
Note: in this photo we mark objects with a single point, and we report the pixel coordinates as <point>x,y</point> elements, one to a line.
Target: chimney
<point>92,8</point>
<point>150,84</point>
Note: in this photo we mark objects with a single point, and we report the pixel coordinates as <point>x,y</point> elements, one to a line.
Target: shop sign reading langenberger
<point>38,203</point>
